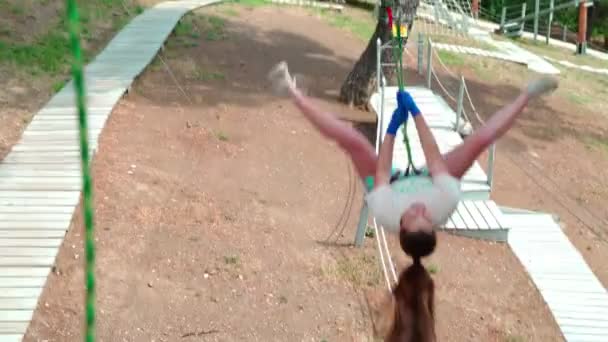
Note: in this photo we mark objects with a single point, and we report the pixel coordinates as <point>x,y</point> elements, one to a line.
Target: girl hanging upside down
<point>413,215</point>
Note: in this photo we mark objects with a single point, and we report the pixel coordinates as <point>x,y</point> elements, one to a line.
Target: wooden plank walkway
<point>478,219</point>
<point>577,299</point>
<point>478,52</point>
<point>442,120</point>
<point>40,178</point>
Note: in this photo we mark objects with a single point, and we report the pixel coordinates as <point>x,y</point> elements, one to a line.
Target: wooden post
<point>381,85</point>
<point>460,104</point>
<point>379,63</point>
<point>581,46</point>
<point>429,67</point>
<point>362,226</point>
<point>420,52</point>
<point>565,33</point>
<point>491,156</point>
<point>523,15</point>
<point>503,19</point>
<point>551,6</point>
<point>536,10</point>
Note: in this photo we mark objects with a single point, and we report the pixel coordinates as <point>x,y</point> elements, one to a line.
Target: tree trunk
<point>361,81</point>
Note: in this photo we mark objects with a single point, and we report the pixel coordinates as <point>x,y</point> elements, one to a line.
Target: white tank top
<point>440,199</point>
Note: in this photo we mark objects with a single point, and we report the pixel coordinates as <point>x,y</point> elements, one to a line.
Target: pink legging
<point>363,154</point>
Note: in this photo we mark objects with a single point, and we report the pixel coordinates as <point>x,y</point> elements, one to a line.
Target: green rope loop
<point>87,190</point>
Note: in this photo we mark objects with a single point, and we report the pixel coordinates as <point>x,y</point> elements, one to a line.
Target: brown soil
<point>219,213</point>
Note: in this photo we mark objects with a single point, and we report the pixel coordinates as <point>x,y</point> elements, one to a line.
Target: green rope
<point>398,55</point>
<point>86,175</point>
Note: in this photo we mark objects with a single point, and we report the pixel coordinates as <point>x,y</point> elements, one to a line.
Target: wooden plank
<point>13,327</point>
<point>59,133</point>
<point>39,186</point>
<point>28,251</point>
<point>69,209</point>
<point>47,148</point>
<point>24,272</point>
<point>39,173</point>
<point>578,300</point>
<point>26,261</point>
<point>18,292</point>
<point>16,315</point>
<point>585,337</point>
<point>34,225</point>
<point>25,282</point>
<point>485,212</point>
<point>476,215</point>
<point>458,221</point>
<point>32,234</point>
<point>581,323</point>
<point>67,181</point>
<point>35,217</point>
<point>58,195</point>
<point>50,202</point>
<point>33,159</point>
<point>11,337</point>
<point>46,154</point>
<point>55,243</point>
<point>52,126</point>
<point>51,165</point>
<point>498,215</point>
<point>67,118</point>
<point>468,220</point>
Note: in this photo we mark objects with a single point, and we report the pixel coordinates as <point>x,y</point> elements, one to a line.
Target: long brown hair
<point>414,294</point>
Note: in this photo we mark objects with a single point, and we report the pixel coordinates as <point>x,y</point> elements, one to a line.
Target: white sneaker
<point>542,86</point>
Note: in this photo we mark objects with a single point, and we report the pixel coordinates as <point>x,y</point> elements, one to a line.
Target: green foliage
<point>363,29</point>
<point>249,3</point>
<point>433,269</point>
<point>450,58</point>
<point>50,53</point>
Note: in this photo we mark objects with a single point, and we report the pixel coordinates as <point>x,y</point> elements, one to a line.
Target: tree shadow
<point>240,63</point>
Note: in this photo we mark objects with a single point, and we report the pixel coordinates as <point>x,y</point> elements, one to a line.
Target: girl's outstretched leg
<point>460,159</point>
<point>349,139</point>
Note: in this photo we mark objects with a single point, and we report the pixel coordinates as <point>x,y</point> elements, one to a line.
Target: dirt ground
<point>220,211</point>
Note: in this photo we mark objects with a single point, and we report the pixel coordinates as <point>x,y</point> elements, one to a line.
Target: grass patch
<point>58,85</point>
<point>514,338</point>
<point>362,29</point>
<point>192,26</point>
<point>50,53</point>
<point>596,143</point>
<point>216,28</point>
<point>370,232</point>
<point>231,12</point>
<point>450,58</point>
<point>232,260</point>
<point>222,136</point>
<point>540,48</point>
<point>250,3</point>
<point>577,98</point>
<point>360,270</point>
<point>432,268</point>
<point>203,75</point>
